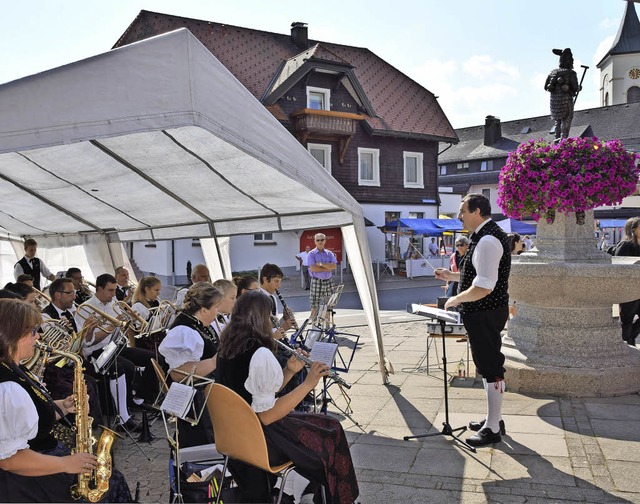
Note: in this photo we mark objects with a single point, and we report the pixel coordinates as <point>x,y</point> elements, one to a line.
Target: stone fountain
<point>563,340</point>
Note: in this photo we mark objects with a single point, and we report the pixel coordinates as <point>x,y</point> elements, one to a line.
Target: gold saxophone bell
<point>84,438</point>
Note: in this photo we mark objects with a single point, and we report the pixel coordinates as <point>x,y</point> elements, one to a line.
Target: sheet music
<point>178,400</point>
<point>437,313</point>
<point>325,352</point>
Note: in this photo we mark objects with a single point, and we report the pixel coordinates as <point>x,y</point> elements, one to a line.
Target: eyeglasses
<point>34,331</point>
<point>321,240</point>
<point>68,292</point>
<point>461,245</point>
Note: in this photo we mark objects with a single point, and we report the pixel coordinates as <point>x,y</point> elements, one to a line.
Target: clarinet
<point>332,374</point>
<point>287,311</point>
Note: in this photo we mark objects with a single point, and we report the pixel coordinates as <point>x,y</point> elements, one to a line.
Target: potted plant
<point>574,175</point>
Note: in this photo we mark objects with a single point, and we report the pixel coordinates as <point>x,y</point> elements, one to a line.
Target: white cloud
<point>483,67</point>
<point>609,23</point>
<point>603,48</point>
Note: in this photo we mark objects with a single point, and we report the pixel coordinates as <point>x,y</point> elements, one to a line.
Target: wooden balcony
<point>310,124</point>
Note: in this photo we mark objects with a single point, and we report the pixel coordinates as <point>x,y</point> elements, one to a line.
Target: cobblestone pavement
<point>555,450</point>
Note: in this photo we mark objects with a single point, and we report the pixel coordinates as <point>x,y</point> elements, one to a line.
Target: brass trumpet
<point>106,323</point>
<point>128,314</point>
<point>42,300</point>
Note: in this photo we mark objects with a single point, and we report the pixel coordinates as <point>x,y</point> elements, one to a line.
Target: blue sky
<point>479,57</point>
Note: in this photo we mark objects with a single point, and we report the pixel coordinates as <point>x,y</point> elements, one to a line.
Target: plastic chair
<point>239,434</point>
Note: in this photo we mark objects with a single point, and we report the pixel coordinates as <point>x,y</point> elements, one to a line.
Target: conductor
<point>484,303</point>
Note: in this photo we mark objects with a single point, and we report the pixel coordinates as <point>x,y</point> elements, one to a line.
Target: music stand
<point>191,380</point>
<point>443,317</point>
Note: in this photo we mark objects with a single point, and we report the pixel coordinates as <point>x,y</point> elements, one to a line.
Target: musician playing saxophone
<point>34,467</point>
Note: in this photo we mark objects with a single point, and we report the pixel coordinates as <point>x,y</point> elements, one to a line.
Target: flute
<point>288,311</point>
<point>332,374</point>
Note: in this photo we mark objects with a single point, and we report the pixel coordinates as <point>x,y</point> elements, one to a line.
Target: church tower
<point>620,68</point>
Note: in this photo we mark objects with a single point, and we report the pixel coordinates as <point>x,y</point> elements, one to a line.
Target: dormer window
<point>318,98</point>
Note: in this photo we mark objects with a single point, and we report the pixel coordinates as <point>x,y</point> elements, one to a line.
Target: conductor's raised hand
<point>443,274</point>
<point>316,371</point>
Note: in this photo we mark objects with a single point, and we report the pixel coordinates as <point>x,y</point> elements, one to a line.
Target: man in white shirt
<point>31,265</point>
<point>304,265</point>
<point>121,373</point>
<point>433,248</point>
<point>483,299</point>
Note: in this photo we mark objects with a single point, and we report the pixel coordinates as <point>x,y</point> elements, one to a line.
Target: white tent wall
<point>130,145</point>
<point>10,252</point>
<point>360,261</point>
<point>217,256</point>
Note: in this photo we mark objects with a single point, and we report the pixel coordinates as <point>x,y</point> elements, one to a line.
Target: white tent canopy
<point>157,141</point>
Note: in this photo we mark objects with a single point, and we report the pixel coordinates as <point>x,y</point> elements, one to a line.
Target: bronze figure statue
<point>563,85</point>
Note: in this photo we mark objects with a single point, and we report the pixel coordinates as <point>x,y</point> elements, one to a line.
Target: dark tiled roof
<point>402,106</point>
<point>607,123</point>
<point>628,38</point>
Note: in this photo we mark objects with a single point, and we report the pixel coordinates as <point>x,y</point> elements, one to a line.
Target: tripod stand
<point>447,430</point>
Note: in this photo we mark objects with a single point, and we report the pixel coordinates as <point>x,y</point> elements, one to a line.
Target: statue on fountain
<point>563,85</point>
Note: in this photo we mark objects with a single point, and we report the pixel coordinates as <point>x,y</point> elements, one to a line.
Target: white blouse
<point>181,344</point>
<point>18,419</point>
<point>264,380</point>
<point>141,310</point>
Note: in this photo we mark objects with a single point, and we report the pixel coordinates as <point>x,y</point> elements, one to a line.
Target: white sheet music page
<point>324,352</point>
<point>178,399</point>
<point>437,313</point>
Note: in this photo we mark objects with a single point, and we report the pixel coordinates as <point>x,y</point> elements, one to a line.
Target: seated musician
<point>229,292</point>
<point>25,279</point>
<point>34,467</point>
<point>199,273</point>
<point>59,379</point>
<point>24,291</point>
<point>83,294</point>
<point>32,265</point>
<point>191,346</point>
<point>315,443</point>
<point>124,290</point>
<point>121,374</point>
<point>245,283</point>
<point>270,278</point>
<point>146,296</point>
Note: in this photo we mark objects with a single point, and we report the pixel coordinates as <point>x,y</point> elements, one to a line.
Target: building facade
<point>375,130</point>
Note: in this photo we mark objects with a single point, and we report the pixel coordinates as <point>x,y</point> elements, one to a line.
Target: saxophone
<point>84,438</point>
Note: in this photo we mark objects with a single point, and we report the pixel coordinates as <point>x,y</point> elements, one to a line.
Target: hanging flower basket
<point>571,176</point>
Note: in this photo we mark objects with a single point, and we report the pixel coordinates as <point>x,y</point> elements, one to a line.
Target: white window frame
<point>486,165</point>
<point>264,240</point>
<point>419,157</point>
<point>327,153</point>
<point>376,167</point>
<point>323,91</point>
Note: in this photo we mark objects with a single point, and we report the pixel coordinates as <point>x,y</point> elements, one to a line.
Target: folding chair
<point>239,434</point>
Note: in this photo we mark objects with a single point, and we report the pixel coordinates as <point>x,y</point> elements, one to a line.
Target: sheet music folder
<point>434,313</point>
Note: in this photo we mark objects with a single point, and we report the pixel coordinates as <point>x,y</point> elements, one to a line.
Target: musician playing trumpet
<point>60,379</point>
<point>83,294</point>
<point>126,362</point>
<point>124,287</point>
<point>315,443</point>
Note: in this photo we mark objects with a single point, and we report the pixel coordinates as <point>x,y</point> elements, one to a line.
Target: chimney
<point>299,35</point>
<point>492,130</point>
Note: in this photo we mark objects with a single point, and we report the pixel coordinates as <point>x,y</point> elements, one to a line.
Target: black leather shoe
<point>484,437</point>
<point>476,426</point>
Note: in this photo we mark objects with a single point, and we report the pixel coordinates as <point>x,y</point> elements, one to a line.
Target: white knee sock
<point>495,393</point>
<point>119,395</point>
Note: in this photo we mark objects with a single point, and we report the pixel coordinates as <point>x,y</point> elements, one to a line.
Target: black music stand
<point>443,317</point>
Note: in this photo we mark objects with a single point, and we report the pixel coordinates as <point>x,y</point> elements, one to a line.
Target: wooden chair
<point>239,434</point>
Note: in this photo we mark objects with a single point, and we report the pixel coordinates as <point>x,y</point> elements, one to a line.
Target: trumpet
<point>42,300</point>
<point>106,323</point>
<point>128,314</point>
<point>332,374</point>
